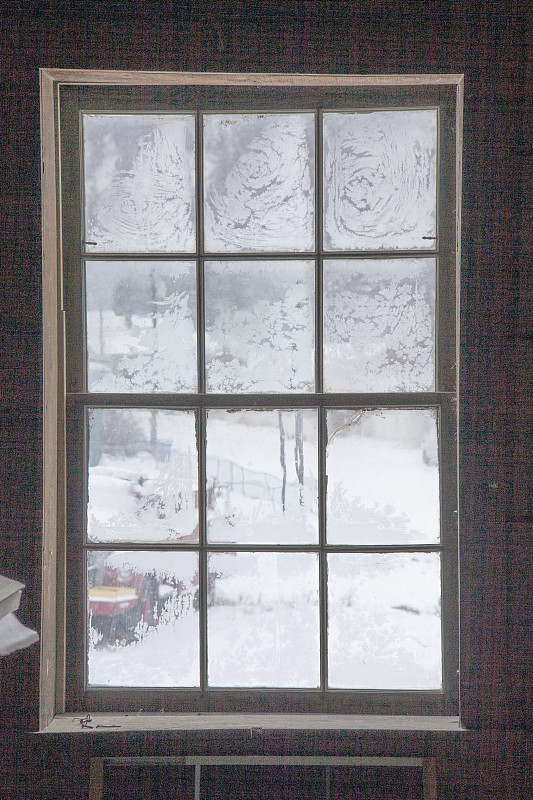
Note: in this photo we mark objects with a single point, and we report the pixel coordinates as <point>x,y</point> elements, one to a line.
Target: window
<point>258,469</point>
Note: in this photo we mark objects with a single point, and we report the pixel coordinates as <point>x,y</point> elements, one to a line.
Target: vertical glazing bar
<point>323,563</point>
<point>202,489</point>
<point>85,553</point>
<point>322,429</point>
<point>449,544</point>
<point>85,594</point>
<point>438,189</point>
<point>200,300</point>
<point>70,287</point>
<point>440,384</point>
<point>319,366</point>
<point>202,565</point>
<point>438,365</point>
<point>83,379</point>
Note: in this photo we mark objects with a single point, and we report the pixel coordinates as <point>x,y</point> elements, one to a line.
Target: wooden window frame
<point>55,696</point>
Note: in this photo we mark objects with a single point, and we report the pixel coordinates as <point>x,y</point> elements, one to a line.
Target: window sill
<point>101,723</point>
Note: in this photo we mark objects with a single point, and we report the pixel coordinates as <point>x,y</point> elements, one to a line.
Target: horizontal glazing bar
<point>255,256</point>
<point>226,693</point>
<point>244,401</point>
<point>296,109</point>
<point>262,548</point>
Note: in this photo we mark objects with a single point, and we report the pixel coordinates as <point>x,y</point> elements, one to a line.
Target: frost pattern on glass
<point>263,627</point>
<point>143,476</point>
<point>383,477</point>
<point>259,326</point>
<point>139,183</point>
<point>259,182</point>
<point>380,181</point>
<point>142,619</point>
<point>384,627</point>
<point>262,476</point>
<point>141,326</point>
<point>379,325</point>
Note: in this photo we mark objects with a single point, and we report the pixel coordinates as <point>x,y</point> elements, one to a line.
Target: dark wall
<point>491,43</point>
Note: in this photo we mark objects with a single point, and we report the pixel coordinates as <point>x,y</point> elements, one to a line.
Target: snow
<point>263,628</point>
<point>384,621</point>
<point>262,466</point>
<point>380,490</point>
<point>384,627</point>
<point>248,504</point>
<point>135,495</point>
<point>167,655</point>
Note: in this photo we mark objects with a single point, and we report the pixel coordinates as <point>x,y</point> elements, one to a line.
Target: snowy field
<point>263,625</point>
<point>384,628</point>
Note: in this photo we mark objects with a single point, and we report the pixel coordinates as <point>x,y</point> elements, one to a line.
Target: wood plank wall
<point>491,43</point>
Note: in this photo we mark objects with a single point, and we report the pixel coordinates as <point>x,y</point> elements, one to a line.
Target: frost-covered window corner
<point>259,286</point>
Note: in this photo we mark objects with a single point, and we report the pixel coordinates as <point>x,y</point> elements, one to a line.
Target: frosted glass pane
<point>380,180</point>
<point>383,477</point>
<point>142,624</point>
<point>384,628</point>
<point>259,326</point>
<point>259,182</point>
<point>143,476</point>
<point>379,325</point>
<point>141,326</point>
<point>263,628</point>
<point>262,476</point>
<point>139,183</point>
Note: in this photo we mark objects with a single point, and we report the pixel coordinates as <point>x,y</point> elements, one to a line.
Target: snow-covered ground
<point>380,488</point>
<point>263,628</point>
<point>167,655</point>
<point>137,495</point>
<point>384,627</point>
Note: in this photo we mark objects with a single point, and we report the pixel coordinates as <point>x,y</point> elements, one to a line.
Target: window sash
<point>444,399</point>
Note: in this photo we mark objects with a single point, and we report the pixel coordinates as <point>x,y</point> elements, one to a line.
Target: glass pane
<point>142,620</point>
<point>143,476</point>
<point>262,476</point>
<point>380,182</point>
<point>383,477</point>
<point>139,183</point>
<point>384,629</point>
<point>263,626</point>
<point>259,326</point>
<point>379,325</point>
<point>141,326</point>
<point>259,182</point>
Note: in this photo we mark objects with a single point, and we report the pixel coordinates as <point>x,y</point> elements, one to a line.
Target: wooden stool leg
<point>429,779</point>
